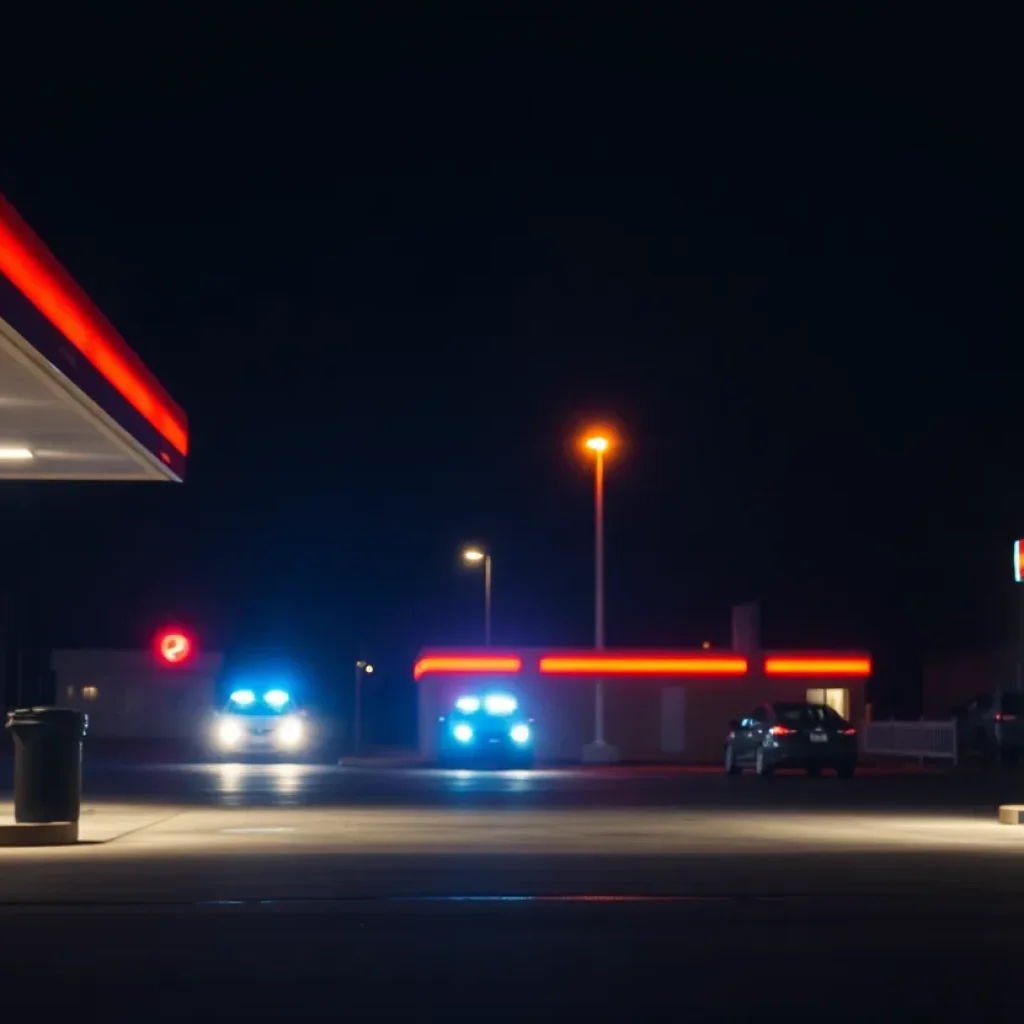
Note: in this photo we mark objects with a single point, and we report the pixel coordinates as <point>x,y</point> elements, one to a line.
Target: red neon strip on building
<point>817,666</point>
<point>460,664</point>
<point>35,272</point>
<point>644,666</point>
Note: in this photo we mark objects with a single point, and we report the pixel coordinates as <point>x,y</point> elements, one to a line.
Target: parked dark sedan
<point>788,734</point>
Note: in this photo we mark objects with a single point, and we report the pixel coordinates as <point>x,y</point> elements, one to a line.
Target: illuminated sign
<point>1018,568</point>
<point>174,647</point>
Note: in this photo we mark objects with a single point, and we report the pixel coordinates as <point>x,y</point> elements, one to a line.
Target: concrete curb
<point>56,833</point>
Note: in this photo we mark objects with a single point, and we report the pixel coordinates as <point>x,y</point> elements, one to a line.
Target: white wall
<point>132,695</point>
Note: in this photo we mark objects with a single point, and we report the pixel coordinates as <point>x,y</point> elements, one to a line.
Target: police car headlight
<point>520,733</point>
<point>462,732</point>
<point>229,733</point>
<point>291,732</point>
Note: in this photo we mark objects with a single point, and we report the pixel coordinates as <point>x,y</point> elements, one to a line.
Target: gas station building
<point>664,705</point>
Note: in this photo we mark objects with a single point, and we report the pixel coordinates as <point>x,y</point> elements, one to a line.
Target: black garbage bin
<point>47,763</point>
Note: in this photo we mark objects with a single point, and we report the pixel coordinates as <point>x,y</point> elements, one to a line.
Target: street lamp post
<point>599,752</point>
<point>363,668</point>
<point>476,556</point>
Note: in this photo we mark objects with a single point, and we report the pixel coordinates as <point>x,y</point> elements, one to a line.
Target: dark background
<point>389,273</point>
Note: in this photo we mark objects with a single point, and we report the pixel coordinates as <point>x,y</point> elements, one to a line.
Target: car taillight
<point>850,732</point>
<point>782,730</point>
<point>1002,716</point>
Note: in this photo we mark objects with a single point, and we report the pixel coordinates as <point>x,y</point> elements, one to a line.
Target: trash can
<point>47,763</point>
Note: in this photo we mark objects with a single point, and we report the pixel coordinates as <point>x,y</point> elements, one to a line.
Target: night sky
<point>389,275</point>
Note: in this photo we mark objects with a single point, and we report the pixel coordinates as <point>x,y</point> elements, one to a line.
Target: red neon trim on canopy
<point>475,663</point>
<point>694,665</point>
<point>797,666</point>
<point>35,272</point>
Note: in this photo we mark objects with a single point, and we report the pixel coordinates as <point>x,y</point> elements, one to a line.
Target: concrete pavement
<point>231,832</point>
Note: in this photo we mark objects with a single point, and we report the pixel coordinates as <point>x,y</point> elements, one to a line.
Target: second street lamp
<point>477,556</point>
<point>363,668</point>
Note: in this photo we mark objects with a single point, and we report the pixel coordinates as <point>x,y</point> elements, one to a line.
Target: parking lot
<point>341,875</point>
<point>249,832</point>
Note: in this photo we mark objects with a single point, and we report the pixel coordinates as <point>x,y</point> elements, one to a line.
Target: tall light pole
<point>477,556</point>
<point>363,668</point>
<point>599,751</point>
<point>1018,577</point>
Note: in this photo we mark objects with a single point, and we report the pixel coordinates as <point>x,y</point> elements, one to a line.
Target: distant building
<point>132,695</point>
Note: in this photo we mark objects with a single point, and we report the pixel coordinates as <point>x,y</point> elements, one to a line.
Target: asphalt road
<point>615,893</point>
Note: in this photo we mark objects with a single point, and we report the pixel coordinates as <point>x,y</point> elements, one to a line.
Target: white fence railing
<point>910,739</point>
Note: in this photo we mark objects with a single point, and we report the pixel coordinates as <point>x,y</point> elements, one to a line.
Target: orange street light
<point>598,442</point>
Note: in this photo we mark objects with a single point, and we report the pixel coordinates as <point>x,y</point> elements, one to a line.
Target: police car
<point>486,727</point>
<point>265,723</point>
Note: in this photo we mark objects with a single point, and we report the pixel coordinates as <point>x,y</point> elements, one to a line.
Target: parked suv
<point>992,725</point>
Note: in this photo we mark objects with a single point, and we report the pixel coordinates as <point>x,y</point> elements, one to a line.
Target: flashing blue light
<point>462,732</point>
<point>520,733</point>
<point>468,705</point>
<point>243,698</point>
<point>500,704</point>
<point>276,698</point>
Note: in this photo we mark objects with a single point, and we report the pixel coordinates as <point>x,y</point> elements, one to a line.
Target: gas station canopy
<point>75,402</point>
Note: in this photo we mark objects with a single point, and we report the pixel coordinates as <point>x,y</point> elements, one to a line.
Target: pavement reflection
<point>283,783</point>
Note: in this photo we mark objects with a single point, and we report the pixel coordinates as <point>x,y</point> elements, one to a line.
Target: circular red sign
<point>174,647</point>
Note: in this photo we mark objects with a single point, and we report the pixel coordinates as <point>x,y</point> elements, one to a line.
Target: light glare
<point>229,733</point>
<point>291,732</point>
